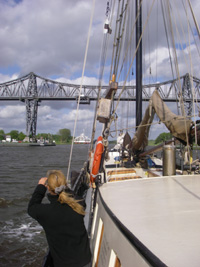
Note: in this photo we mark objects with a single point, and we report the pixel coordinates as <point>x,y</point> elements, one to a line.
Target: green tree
<point>14,134</point>
<point>163,137</point>
<point>56,137</point>
<point>43,135</point>
<point>65,135</point>
<point>2,135</point>
<point>50,137</point>
<point>21,136</point>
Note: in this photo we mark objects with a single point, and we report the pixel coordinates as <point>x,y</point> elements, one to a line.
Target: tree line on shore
<point>63,136</point>
<point>163,137</point>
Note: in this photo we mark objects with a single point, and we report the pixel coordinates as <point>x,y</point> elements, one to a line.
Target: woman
<point>62,220</point>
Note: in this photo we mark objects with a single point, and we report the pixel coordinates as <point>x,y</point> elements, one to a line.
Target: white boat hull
<point>157,225</point>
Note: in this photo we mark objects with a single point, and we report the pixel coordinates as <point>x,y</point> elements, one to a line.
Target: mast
<point>138,63</point>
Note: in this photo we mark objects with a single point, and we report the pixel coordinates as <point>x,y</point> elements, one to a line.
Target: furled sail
<point>179,126</point>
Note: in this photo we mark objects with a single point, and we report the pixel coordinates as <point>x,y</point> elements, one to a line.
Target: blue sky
<point>49,37</point>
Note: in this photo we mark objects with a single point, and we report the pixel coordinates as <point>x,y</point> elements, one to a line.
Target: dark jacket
<point>64,228</point>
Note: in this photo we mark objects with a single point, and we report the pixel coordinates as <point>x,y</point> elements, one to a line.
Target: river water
<point>22,240</point>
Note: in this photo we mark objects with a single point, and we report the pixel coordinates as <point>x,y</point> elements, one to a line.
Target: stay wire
<point>133,58</point>
<point>190,68</point>
<point>102,67</point>
<point>114,45</point>
<point>129,42</point>
<point>195,21</point>
<point>192,31</point>
<point>83,71</point>
<point>193,93</point>
<point>177,72</point>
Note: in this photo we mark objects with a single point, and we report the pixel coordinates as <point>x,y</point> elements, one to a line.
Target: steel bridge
<point>33,89</point>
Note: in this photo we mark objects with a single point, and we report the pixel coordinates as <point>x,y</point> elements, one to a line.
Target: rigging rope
<point>177,69</point>
<point>157,44</point>
<point>175,56</point>
<point>193,93</point>
<point>129,43</point>
<point>185,42</point>
<point>120,35</point>
<point>169,51</point>
<point>83,71</point>
<point>102,66</point>
<point>133,58</point>
<point>170,57</point>
<point>149,46</point>
<point>123,88</point>
<point>153,123</point>
<point>196,24</point>
<point>114,45</point>
<point>192,32</point>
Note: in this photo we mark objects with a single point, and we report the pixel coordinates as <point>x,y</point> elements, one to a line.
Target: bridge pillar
<point>31,107</point>
<point>187,94</point>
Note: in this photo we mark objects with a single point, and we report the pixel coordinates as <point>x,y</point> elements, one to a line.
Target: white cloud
<point>49,38</point>
<point>51,120</point>
<point>85,81</point>
<point>84,114</point>
<point>7,77</point>
<point>12,117</point>
<point>11,111</point>
<point>44,110</point>
<point>46,38</point>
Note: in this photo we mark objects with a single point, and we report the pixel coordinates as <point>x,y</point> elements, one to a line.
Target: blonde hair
<point>56,178</point>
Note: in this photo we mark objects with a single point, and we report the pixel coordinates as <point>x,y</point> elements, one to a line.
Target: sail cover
<point>179,126</point>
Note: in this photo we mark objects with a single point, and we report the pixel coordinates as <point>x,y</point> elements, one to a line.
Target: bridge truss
<point>33,89</point>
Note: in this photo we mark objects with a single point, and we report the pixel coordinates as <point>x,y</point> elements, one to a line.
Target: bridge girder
<point>52,90</point>
<point>33,89</point>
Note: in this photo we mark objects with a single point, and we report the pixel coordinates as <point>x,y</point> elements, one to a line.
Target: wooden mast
<point>138,63</point>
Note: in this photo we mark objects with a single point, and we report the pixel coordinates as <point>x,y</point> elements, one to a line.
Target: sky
<point>49,38</point>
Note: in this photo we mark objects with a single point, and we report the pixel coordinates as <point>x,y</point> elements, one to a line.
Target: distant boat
<point>43,143</point>
<point>82,139</point>
<point>48,144</point>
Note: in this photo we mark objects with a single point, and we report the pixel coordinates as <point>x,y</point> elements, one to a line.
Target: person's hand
<point>43,181</point>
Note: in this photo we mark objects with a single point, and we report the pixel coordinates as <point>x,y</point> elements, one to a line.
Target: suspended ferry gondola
<point>82,139</point>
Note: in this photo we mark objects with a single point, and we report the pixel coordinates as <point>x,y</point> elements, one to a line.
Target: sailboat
<point>144,211</point>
